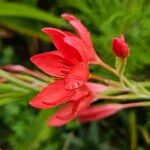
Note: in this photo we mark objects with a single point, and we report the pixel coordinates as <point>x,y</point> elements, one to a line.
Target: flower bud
<point>119,47</point>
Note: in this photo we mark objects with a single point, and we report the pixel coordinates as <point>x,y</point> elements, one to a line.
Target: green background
<point>21,21</point>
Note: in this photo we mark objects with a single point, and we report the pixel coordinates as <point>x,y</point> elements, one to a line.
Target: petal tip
<point>32,104</point>
<point>69,17</point>
<point>32,58</point>
<point>44,30</point>
<point>51,123</point>
<point>63,15</point>
<point>49,30</point>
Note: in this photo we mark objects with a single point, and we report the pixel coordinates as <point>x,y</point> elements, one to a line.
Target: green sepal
<point>120,64</point>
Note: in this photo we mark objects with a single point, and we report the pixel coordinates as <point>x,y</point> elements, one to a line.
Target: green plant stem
<point>123,79</point>
<point>143,89</point>
<point>11,94</point>
<point>16,81</point>
<point>40,76</point>
<point>122,97</point>
<point>107,67</point>
<point>105,81</point>
<point>136,104</point>
<point>133,131</point>
<point>30,79</point>
<point>145,83</point>
<point>146,134</point>
<point>114,71</point>
<point>114,90</point>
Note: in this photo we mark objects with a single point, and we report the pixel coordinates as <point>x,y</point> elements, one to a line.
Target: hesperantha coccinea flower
<point>69,64</point>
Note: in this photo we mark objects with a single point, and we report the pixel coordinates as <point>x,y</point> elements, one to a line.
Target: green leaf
<point>30,2</point>
<point>6,55</point>
<point>12,97</point>
<point>38,131</point>
<point>133,130</point>
<point>16,81</point>
<point>24,26</point>
<point>19,10</point>
<point>7,100</point>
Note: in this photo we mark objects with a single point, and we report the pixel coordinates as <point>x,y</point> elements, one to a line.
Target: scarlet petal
<point>52,63</point>
<point>79,45</point>
<point>83,34</point>
<point>66,111</point>
<point>52,95</point>
<point>69,33</point>
<point>57,122</point>
<point>96,87</point>
<point>79,27</point>
<point>77,76</point>
<point>83,103</point>
<point>80,93</point>
<point>38,104</point>
<point>69,111</point>
<point>99,112</point>
<point>57,37</point>
<point>73,109</point>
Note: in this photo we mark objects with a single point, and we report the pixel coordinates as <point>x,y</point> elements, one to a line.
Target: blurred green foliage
<point>24,128</point>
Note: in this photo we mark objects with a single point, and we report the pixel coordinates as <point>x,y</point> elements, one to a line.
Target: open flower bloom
<point>72,77</point>
<point>119,47</point>
<point>74,108</point>
<point>69,63</point>
<point>82,110</point>
<point>81,41</point>
<point>70,111</point>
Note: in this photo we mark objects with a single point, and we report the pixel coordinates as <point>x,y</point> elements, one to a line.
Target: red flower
<point>83,34</point>
<point>70,64</point>
<point>119,47</point>
<point>70,111</point>
<point>78,104</point>
<point>80,42</point>
<point>73,76</point>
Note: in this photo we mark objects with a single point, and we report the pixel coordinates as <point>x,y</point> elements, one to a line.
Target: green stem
<point>104,80</point>
<point>30,79</point>
<point>136,104</point>
<point>144,90</point>
<point>8,76</point>
<point>123,79</point>
<point>107,67</point>
<point>114,71</point>
<point>133,131</point>
<point>122,97</point>
<point>145,83</point>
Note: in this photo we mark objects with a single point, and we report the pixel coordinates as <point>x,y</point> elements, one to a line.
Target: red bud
<point>119,47</point>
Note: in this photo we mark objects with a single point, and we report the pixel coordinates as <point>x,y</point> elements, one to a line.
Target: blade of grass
<point>19,10</point>
<point>38,131</point>
<point>133,131</point>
